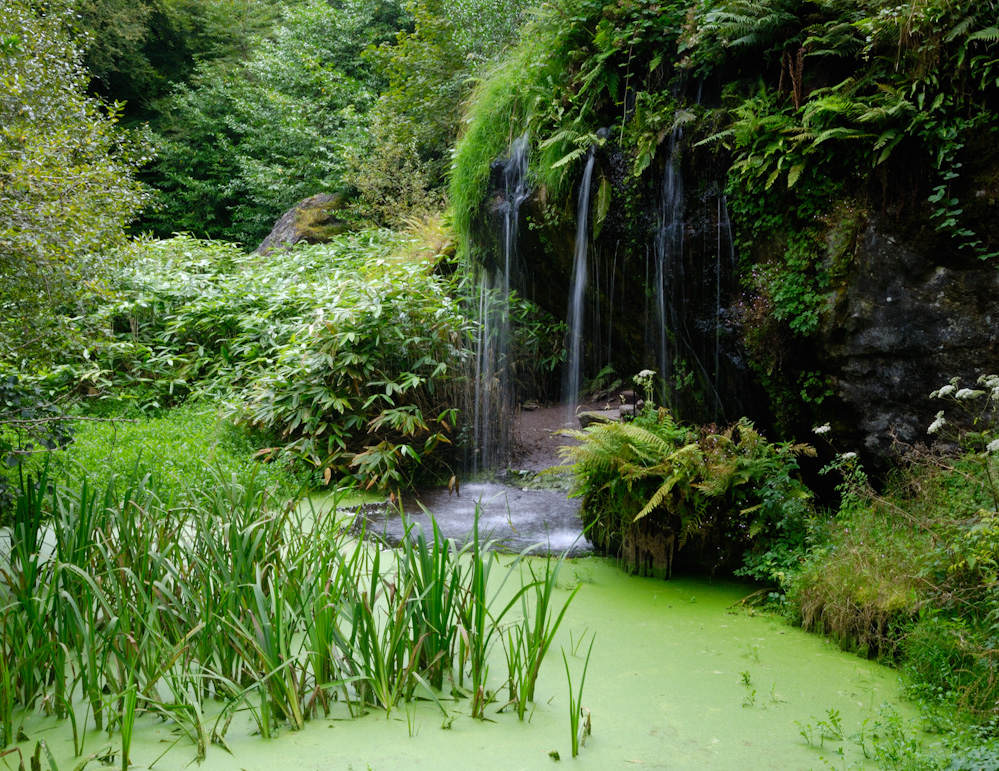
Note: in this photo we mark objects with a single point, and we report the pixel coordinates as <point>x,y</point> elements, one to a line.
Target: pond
<point>681,677</point>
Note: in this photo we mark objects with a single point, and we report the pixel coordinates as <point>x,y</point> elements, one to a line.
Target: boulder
<point>312,221</point>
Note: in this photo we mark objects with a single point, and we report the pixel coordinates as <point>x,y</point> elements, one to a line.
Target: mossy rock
<point>314,220</point>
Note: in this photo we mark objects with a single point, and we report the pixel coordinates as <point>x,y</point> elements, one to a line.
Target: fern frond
<point>989,35</point>
<point>959,29</point>
<point>569,157</point>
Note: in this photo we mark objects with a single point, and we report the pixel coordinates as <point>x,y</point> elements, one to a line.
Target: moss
<point>319,224</point>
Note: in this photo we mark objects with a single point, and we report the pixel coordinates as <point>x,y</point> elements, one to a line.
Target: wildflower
<point>991,382</point>
<point>992,446</point>
<point>967,393</point>
<point>821,429</point>
<point>937,424</point>
<point>848,455</point>
<point>947,390</point>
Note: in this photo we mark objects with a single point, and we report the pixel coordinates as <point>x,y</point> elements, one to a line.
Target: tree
<point>67,177</point>
<point>429,72</point>
<point>239,146</point>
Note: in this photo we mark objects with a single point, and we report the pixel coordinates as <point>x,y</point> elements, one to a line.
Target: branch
<point>27,423</point>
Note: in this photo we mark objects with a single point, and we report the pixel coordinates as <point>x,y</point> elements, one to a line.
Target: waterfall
<point>494,397</point>
<point>577,290</point>
<point>668,287</point>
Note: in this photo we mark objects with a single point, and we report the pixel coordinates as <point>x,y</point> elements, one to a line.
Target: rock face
<point>312,221</point>
<point>907,313</point>
<point>909,318</point>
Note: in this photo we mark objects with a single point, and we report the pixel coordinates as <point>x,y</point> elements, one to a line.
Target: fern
<point>752,24</point>
<point>987,35</point>
<point>656,471</point>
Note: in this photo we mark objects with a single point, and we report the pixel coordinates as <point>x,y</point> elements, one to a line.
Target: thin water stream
<point>577,289</point>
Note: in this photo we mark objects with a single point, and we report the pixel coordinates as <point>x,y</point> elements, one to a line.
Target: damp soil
<point>536,437</point>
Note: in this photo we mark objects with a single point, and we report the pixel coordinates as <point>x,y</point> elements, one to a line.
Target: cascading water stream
<point>577,292</point>
<point>669,261</point>
<point>493,397</point>
<point>725,247</point>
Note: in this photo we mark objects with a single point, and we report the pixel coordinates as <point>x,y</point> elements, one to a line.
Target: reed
<point>579,717</point>
<point>436,576</point>
<point>540,624</point>
<point>382,651</point>
<point>478,625</point>
<point>6,689</point>
<point>265,645</point>
<point>134,605</point>
<point>126,721</point>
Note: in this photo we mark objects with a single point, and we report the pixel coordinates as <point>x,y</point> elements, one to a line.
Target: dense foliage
<point>67,181</point>
<point>653,489</point>
<point>348,355</point>
<point>241,144</point>
<point>137,49</point>
<point>359,97</point>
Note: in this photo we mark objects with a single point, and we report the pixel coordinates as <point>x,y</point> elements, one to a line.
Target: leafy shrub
<point>366,384</point>
<point>67,179</point>
<point>348,355</point>
<point>652,486</point>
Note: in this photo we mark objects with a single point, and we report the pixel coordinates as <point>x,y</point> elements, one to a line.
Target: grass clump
<point>184,448</point>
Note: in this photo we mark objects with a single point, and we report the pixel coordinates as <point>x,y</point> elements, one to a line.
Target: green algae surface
<point>680,678</point>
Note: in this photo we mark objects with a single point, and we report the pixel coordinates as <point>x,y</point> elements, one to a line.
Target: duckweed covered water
<point>677,680</point>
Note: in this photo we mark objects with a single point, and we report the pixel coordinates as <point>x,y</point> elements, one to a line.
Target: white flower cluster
<point>992,383</point>
<point>848,455</point>
<point>992,446</point>
<point>947,390</point>
<point>821,429</point>
<point>937,424</point>
<point>645,379</point>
